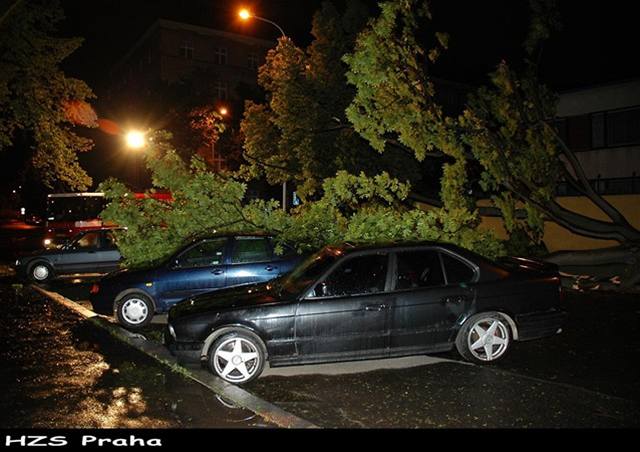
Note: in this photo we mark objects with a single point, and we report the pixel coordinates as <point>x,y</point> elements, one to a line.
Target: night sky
<point>598,42</point>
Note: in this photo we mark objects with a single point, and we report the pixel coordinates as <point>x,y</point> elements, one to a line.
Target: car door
<point>426,304</point>
<point>345,314</point>
<point>200,268</point>
<point>108,257</point>
<point>81,255</point>
<point>251,261</point>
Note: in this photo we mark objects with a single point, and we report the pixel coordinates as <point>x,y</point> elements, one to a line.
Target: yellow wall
<point>558,238</point>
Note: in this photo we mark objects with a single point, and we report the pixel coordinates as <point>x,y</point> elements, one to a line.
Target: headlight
<point>18,263</point>
<point>172,332</point>
<point>47,242</point>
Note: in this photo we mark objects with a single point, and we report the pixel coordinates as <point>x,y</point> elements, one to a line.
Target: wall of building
<point>558,238</point>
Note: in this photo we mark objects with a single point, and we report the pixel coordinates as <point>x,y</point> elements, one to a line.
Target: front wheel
<point>484,338</point>
<point>40,272</point>
<point>237,357</point>
<point>134,311</point>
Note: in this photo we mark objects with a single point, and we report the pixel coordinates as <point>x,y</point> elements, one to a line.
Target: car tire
<point>40,272</point>
<point>134,311</point>
<point>484,338</point>
<point>237,357</point>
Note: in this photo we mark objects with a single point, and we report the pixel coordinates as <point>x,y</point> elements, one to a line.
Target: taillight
<point>95,289</point>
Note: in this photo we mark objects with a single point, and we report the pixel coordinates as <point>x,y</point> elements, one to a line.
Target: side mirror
<point>174,264</point>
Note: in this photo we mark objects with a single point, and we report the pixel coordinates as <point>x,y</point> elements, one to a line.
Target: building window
<point>220,55</point>
<point>252,61</point>
<point>221,90</point>
<point>186,50</point>
<point>615,128</point>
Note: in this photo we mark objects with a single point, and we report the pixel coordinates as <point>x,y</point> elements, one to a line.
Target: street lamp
<point>135,139</point>
<point>245,15</point>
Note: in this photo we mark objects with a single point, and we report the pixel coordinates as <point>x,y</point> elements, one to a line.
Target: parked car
<point>201,266</point>
<point>91,251</point>
<point>349,303</point>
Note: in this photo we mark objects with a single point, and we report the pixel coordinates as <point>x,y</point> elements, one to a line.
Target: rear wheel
<point>40,272</point>
<point>134,311</point>
<point>484,338</point>
<point>237,357</point>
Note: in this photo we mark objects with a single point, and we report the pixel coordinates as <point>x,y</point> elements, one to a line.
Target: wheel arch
<point>224,329</point>
<point>504,313</point>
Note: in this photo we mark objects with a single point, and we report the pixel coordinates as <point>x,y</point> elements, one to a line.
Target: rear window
<point>456,270</point>
<point>251,249</point>
<point>418,269</point>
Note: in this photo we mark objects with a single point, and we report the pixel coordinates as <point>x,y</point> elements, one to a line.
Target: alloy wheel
<point>236,360</point>
<point>488,339</point>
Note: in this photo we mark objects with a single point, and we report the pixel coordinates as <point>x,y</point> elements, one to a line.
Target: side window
<point>108,241</point>
<point>251,249</point>
<point>88,241</point>
<point>419,269</point>
<point>357,276</point>
<point>457,271</point>
<point>203,254</point>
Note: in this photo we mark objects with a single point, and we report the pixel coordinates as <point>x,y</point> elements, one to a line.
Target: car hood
<point>244,296</point>
<point>129,275</point>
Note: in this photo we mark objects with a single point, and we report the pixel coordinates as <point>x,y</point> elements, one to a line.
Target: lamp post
<point>224,112</point>
<point>245,15</point>
<point>136,140</point>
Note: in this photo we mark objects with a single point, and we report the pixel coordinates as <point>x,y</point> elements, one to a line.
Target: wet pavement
<point>60,371</point>
<point>586,377</point>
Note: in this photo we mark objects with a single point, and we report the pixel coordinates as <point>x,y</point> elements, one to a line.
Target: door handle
<point>375,307</point>
<point>455,299</point>
<point>217,271</point>
<point>270,268</point>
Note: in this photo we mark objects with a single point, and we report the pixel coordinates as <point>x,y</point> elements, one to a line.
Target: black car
<point>92,251</point>
<point>349,303</point>
<point>203,265</point>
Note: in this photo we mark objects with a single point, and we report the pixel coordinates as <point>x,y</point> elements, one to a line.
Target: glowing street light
<point>245,15</point>
<point>223,111</point>
<point>135,139</point>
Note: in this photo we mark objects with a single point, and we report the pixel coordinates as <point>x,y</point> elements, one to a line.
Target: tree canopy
<point>39,104</point>
<point>301,132</point>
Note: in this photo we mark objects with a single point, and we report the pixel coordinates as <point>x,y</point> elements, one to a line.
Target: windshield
<point>309,271</point>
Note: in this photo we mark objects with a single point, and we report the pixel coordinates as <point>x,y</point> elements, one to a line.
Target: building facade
<point>601,124</point>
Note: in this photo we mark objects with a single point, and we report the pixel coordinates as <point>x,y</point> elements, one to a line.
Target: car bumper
<point>185,352</point>
<point>540,324</point>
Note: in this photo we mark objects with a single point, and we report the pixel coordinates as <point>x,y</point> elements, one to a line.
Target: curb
<point>228,391</point>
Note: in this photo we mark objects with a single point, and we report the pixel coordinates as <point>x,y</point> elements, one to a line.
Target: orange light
<point>223,111</point>
<point>135,139</point>
<point>244,14</point>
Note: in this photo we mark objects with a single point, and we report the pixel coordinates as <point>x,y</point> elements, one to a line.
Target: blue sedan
<point>204,265</point>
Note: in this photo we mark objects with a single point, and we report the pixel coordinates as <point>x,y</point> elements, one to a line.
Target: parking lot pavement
<point>445,394</point>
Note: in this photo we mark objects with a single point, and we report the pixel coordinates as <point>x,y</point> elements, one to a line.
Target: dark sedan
<point>204,265</point>
<point>92,251</point>
<point>349,303</point>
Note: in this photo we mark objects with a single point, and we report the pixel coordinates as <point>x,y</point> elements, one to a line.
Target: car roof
<point>351,247</point>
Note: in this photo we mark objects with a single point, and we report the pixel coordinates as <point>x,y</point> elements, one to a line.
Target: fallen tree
<point>506,131</point>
